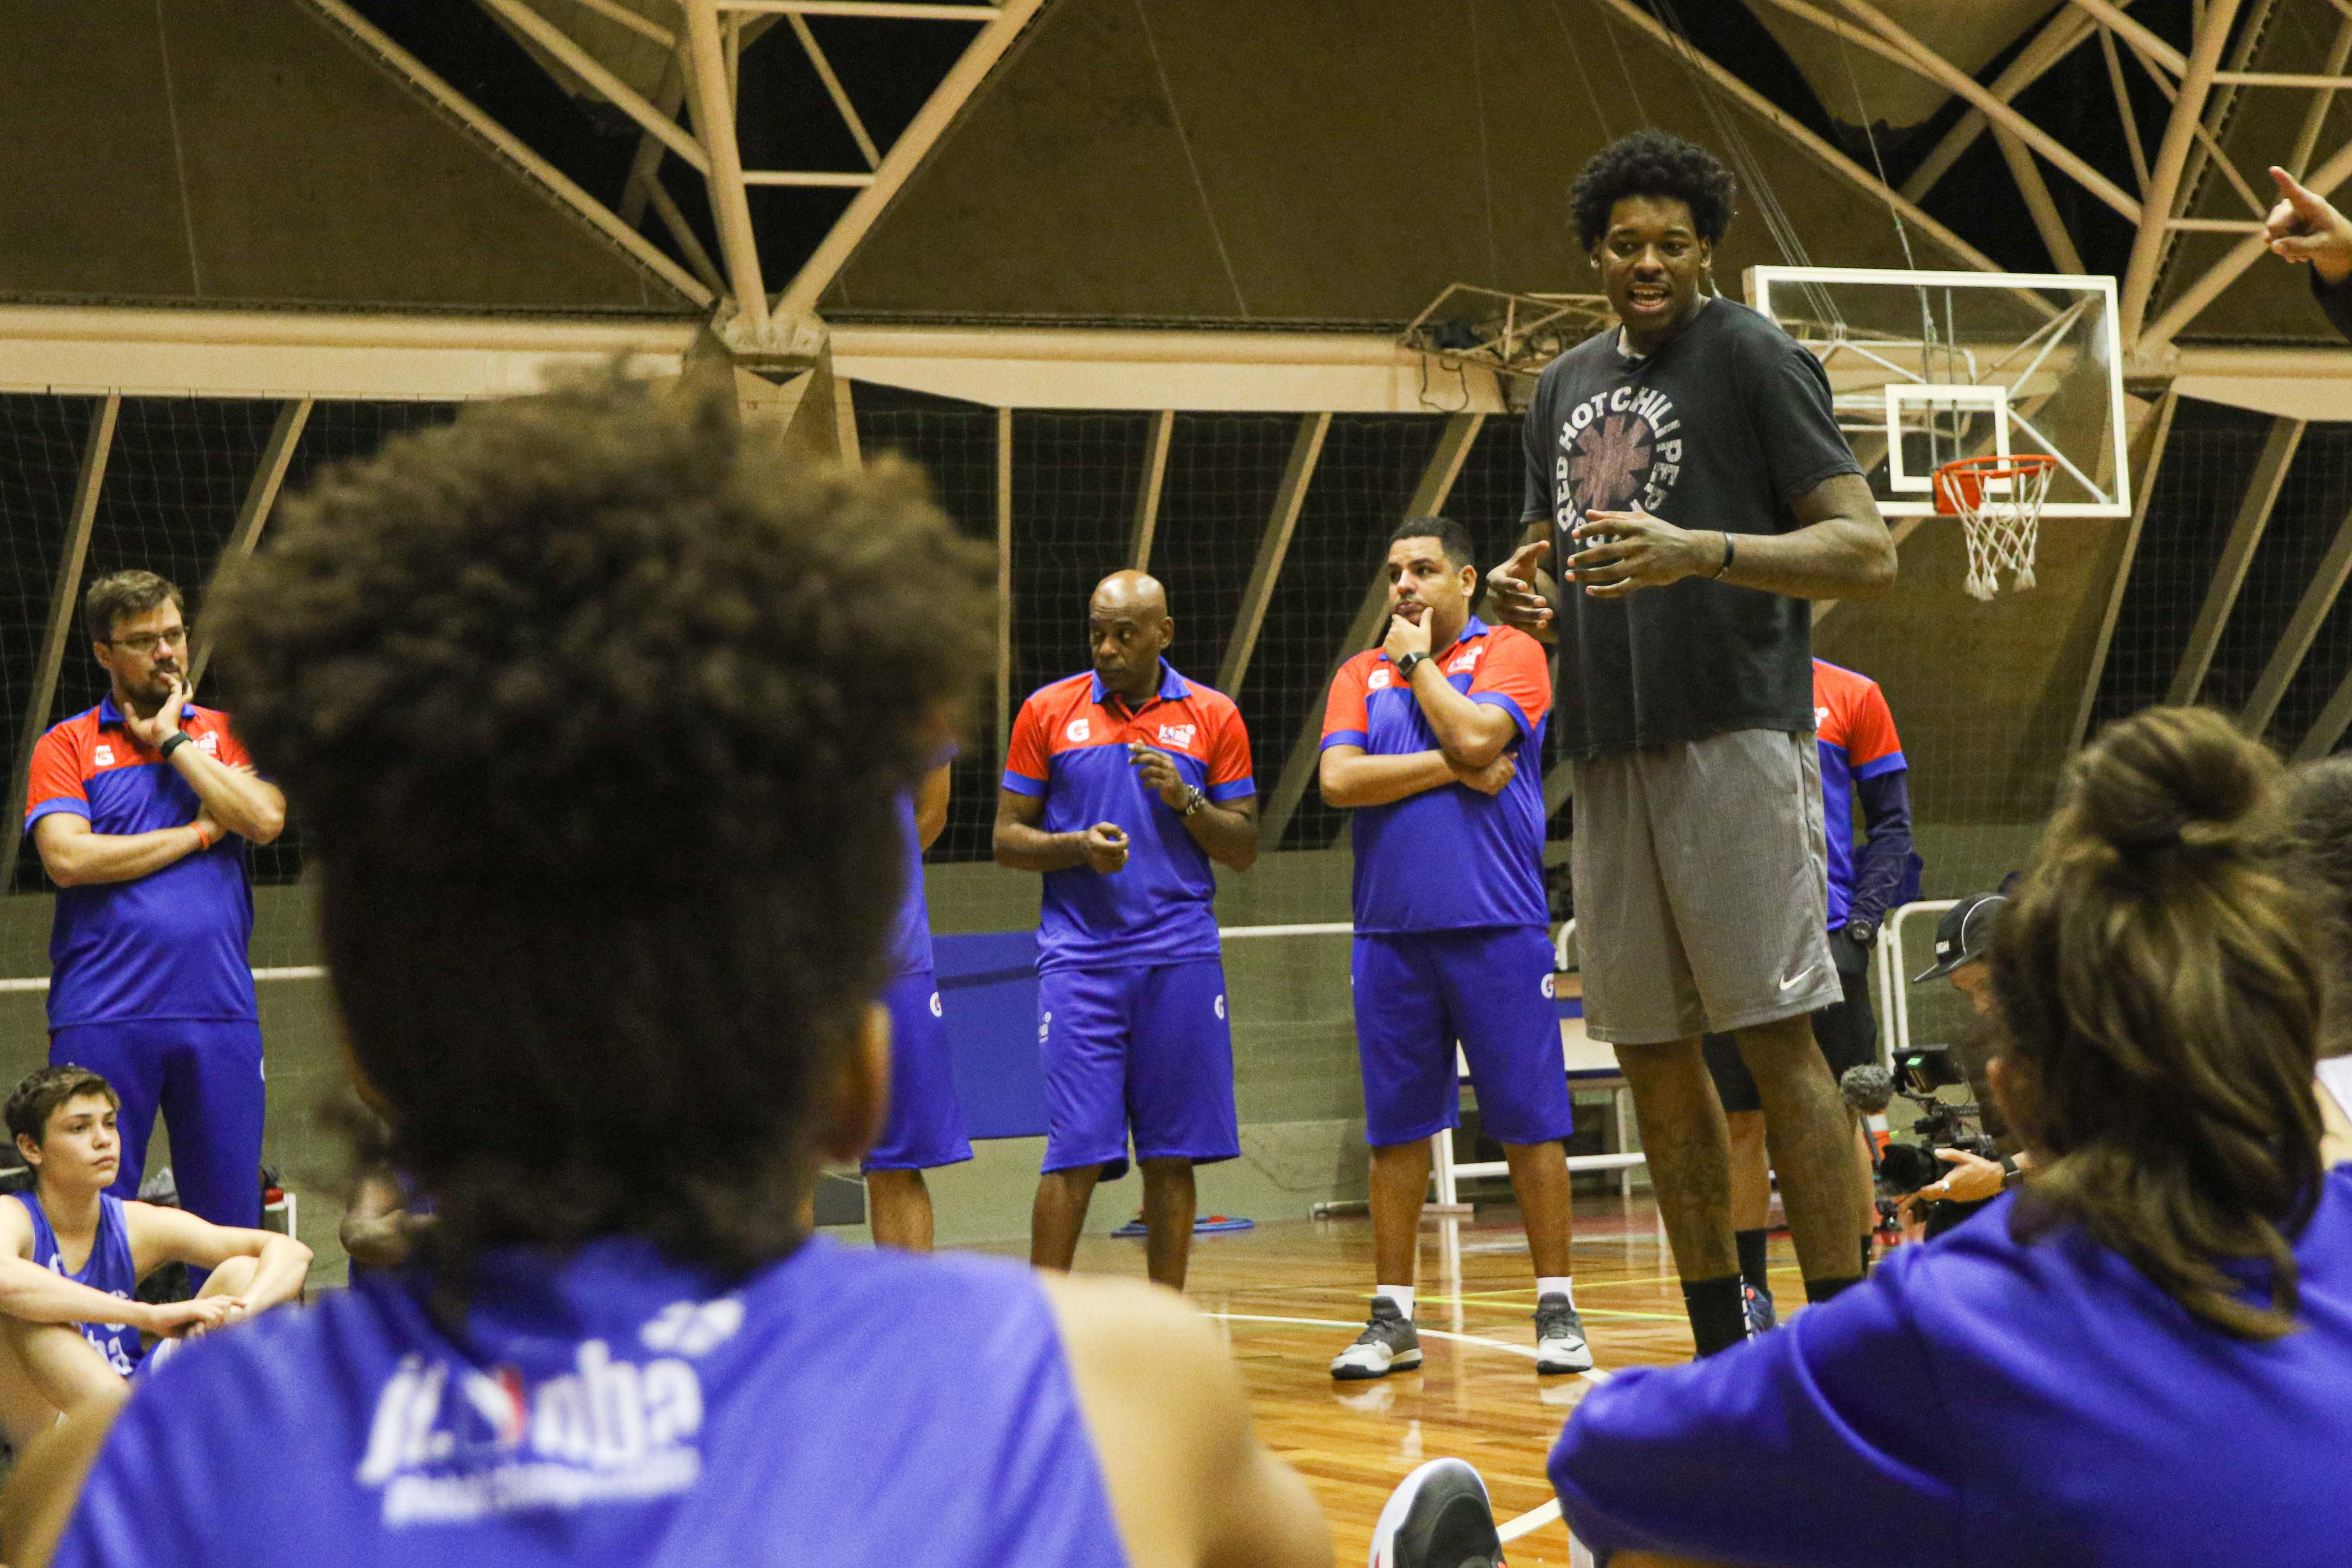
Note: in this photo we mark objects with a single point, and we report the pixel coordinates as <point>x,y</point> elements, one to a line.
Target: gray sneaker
<point>1387,1344</point>
<point>1559,1337</point>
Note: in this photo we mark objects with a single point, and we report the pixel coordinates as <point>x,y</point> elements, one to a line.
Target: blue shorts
<point>1148,1047</point>
<point>1416,995</point>
<point>924,1126</point>
<point>204,1074</point>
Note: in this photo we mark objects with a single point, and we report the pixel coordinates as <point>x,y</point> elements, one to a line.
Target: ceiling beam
<point>253,516</point>
<point>2146,42</point>
<point>2058,38</point>
<point>373,40</point>
<point>2046,221</point>
<point>1812,146</point>
<point>839,94</point>
<point>2311,612</point>
<point>2156,433</point>
<point>1273,546</point>
<point>714,120</point>
<point>2147,254</point>
<point>1306,756</point>
<point>2314,114</point>
<point>2062,157</point>
<point>2237,557</point>
<point>600,80</point>
<point>64,602</point>
<point>913,145</point>
<point>1147,500</point>
<point>2124,110</point>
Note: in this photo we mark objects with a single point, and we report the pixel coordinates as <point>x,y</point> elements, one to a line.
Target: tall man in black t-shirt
<point>1688,471</point>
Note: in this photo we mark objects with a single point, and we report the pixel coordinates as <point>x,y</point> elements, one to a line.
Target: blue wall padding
<point>988,1000</point>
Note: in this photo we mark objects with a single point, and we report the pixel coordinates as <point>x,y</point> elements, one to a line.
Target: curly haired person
<point>600,713</point>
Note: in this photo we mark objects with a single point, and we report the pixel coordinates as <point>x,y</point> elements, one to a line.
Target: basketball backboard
<point>1928,367</point>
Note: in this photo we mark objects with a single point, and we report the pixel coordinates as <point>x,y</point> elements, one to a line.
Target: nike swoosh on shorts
<point>1790,985</point>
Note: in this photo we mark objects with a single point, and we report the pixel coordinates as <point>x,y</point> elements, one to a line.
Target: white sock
<point>1400,1294</point>
<point>1557,1285</point>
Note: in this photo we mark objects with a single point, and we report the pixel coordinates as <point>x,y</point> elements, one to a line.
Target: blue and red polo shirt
<point>1856,734</point>
<point>1069,744</point>
<point>173,943</point>
<point>1449,859</point>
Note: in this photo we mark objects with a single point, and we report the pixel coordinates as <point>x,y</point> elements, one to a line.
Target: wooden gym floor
<point>1292,1293</point>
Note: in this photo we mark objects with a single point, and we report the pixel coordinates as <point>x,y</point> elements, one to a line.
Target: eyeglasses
<point>148,642</point>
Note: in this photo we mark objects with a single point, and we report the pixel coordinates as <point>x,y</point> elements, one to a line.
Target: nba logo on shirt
<point>1380,677</point>
<point>1079,730</point>
<point>1177,735</point>
<point>1467,659</point>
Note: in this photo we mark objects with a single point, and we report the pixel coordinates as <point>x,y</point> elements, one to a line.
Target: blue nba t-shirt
<point>616,1410</point>
<point>173,943</point>
<point>1449,859</point>
<point>1984,1400</point>
<point>1069,744</point>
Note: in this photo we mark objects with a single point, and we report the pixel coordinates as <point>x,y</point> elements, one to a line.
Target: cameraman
<point>1963,941</point>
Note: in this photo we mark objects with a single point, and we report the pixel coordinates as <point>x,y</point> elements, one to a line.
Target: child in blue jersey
<point>72,1255</point>
<point>598,710</point>
<point>2145,1355</point>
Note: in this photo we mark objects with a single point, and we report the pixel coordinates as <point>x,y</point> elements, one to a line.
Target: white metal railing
<point>1894,979</point>
<point>1446,1172</point>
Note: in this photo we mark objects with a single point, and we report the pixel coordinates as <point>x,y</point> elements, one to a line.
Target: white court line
<point>1527,1523</point>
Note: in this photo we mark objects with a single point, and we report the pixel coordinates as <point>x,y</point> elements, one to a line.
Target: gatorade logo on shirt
<point>610,1429</point>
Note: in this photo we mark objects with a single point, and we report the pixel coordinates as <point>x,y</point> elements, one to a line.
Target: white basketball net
<point>1999,508</point>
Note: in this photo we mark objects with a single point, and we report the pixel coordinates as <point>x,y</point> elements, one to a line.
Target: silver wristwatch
<point>1196,800</point>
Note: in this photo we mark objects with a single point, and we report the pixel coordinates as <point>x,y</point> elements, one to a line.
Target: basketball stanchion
<point>1998,503</point>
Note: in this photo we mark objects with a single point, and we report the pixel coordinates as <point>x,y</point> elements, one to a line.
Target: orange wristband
<point>204,839</point>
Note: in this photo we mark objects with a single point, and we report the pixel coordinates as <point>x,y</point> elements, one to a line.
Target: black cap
<point>1965,934</point>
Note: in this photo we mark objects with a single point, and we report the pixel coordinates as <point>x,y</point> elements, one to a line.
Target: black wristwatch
<point>1408,664</point>
<point>1196,800</point>
<point>1862,932</point>
<point>172,742</point>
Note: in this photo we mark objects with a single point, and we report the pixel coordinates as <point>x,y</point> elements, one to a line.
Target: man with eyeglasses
<point>136,808</point>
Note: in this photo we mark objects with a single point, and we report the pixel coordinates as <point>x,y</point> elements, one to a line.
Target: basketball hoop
<point>1999,503</point>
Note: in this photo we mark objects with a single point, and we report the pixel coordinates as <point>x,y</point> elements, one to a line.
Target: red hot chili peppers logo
<point>1616,446</point>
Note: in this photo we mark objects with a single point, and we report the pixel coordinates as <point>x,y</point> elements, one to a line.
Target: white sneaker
<point>1387,1344</point>
<point>1559,1337</point>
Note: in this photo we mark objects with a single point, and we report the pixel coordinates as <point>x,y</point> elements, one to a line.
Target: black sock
<point>1820,1290</point>
<point>1751,1257</point>
<point>1719,1317</point>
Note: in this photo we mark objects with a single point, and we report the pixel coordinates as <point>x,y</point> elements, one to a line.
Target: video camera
<point>1919,1071</point>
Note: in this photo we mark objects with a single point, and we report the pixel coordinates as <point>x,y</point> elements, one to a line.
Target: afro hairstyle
<point>1653,163</point>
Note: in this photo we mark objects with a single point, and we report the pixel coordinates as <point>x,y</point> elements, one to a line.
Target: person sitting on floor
<point>72,1255</point>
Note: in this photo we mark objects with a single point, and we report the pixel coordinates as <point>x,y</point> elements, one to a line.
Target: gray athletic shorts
<point>1702,885</point>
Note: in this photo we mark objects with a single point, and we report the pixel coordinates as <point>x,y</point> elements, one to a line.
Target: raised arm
<point>74,854</point>
<point>230,792</point>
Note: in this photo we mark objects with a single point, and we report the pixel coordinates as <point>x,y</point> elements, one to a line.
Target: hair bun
<point>2170,776</point>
